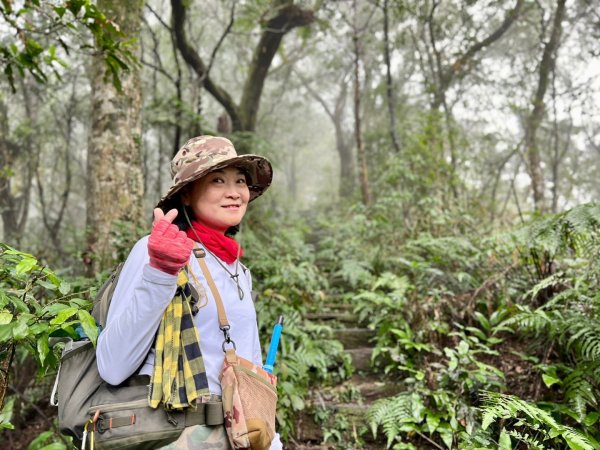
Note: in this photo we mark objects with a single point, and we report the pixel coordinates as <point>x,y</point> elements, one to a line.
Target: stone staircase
<point>337,413</point>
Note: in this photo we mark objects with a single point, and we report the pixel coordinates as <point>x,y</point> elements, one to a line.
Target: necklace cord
<point>234,276</point>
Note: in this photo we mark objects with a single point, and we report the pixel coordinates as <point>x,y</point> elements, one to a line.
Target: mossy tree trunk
<point>115,179</point>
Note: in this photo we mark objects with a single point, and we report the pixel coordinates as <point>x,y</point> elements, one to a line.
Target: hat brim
<point>258,168</point>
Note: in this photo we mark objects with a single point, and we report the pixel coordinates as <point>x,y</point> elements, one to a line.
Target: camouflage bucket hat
<point>204,154</point>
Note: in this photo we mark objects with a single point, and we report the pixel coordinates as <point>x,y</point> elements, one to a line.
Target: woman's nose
<point>233,192</point>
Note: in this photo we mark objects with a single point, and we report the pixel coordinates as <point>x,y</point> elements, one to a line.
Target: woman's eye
<point>242,181</point>
<point>217,180</point>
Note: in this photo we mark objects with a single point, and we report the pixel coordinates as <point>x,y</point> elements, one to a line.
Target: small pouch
<point>249,403</point>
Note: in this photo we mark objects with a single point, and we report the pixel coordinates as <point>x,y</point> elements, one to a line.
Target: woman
<point>211,189</point>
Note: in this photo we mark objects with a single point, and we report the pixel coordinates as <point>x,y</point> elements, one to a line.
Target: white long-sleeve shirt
<point>140,298</point>
<point>125,346</point>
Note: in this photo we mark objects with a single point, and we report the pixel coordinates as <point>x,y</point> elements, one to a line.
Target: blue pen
<point>274,344</point>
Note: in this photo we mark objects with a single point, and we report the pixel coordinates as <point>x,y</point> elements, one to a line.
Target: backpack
<point>115,416</point>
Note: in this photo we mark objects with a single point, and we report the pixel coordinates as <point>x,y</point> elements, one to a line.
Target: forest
<point>431,235</point>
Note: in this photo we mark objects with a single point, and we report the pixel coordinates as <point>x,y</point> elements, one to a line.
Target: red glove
<point>168,247</point>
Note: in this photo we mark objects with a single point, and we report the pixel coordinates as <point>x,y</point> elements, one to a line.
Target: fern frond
<point>526,438</point>
<point>391,413</point>
<point>581,334</point>
<point>538,321</point>
<point>502,406</point>
<point>581,387</point>
<point>576,230</point>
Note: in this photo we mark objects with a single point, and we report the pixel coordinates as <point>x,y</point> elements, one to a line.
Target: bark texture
<point>115,180</point>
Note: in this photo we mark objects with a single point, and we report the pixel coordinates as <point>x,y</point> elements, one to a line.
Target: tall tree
<point>534,119</point>
<point>389,85</point>
<point>444,67</point>
<point>115,182</point>
<point>284,16</point>
<point>343,144</point>
<point>19,158</point>
<point>361,152</point>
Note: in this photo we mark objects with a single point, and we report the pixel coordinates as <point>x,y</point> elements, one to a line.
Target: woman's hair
<point>182,221</point>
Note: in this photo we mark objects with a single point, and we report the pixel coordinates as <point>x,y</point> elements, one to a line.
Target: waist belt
<point>210,414</point>
<point>205,414</point>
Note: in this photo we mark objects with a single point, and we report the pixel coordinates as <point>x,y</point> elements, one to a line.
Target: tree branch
<point>192,58</point>
<point>286,18</point>
<point>457,68</point>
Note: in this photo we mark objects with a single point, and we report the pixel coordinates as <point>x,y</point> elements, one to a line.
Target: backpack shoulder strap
<point>104,297</point>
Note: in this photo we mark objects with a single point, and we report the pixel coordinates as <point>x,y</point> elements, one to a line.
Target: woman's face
<point>219,199</point>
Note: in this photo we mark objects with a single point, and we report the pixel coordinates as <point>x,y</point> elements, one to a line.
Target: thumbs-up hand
<point>169,248</point>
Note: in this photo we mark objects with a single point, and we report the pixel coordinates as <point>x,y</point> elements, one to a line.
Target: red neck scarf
<point>222,246</point>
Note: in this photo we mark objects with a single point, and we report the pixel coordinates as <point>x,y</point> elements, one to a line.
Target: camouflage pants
<point>201,437</point>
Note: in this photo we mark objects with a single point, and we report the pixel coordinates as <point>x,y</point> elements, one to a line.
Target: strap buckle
<point>228,340</point>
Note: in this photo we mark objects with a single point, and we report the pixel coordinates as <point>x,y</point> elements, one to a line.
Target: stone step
<point>359,389</point>
<point>373,389</point>
<point>361,358</point>
<point>327,316</point>
<point>354,337</point>
<point>307,430</point>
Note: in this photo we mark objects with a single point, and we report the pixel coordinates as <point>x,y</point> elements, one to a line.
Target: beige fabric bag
<point>249,392</point>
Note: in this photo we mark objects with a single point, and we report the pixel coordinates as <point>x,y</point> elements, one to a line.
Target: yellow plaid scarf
<point>179,376</point>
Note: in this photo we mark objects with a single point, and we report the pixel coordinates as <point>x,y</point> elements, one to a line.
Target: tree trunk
<point>286,16</point>
<point>53,209</point>
<point>360,146</point>
<point>115,181</point>
<point>547,66</point>
<point>342,138</point>
<point>18,164</point>
<point>389,84</point>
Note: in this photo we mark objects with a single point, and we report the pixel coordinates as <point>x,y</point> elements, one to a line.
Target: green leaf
<point>64,288</point>
<point>26,265</point>
<point>550,380</point>
<point>47,285</point>
<point>21,329</point>
<point>504,443</point>
<point>5,317</point>
<point>447,437</point>
<point>53,309</point>
<point>576,442</point>
<point>88,323</point>
<point>433,420</point>
<point>39,328</point>
<point>60,11</point>
<point>297,403</point>
<point>40,441</point>
<point>6,332</point>
<point>42,348</point>
<point>64,315</point>
<point>6,414</point>
<point>591,419</point>
<point>54,446</point>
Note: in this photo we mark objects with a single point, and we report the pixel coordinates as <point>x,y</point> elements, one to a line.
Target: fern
<point>582,335</point>
<point>538,321</point>
<point>392,415</point>
<point>575,229</point>
<point>526,438</point>
<point>581,388</point>
<point>529,416</point>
